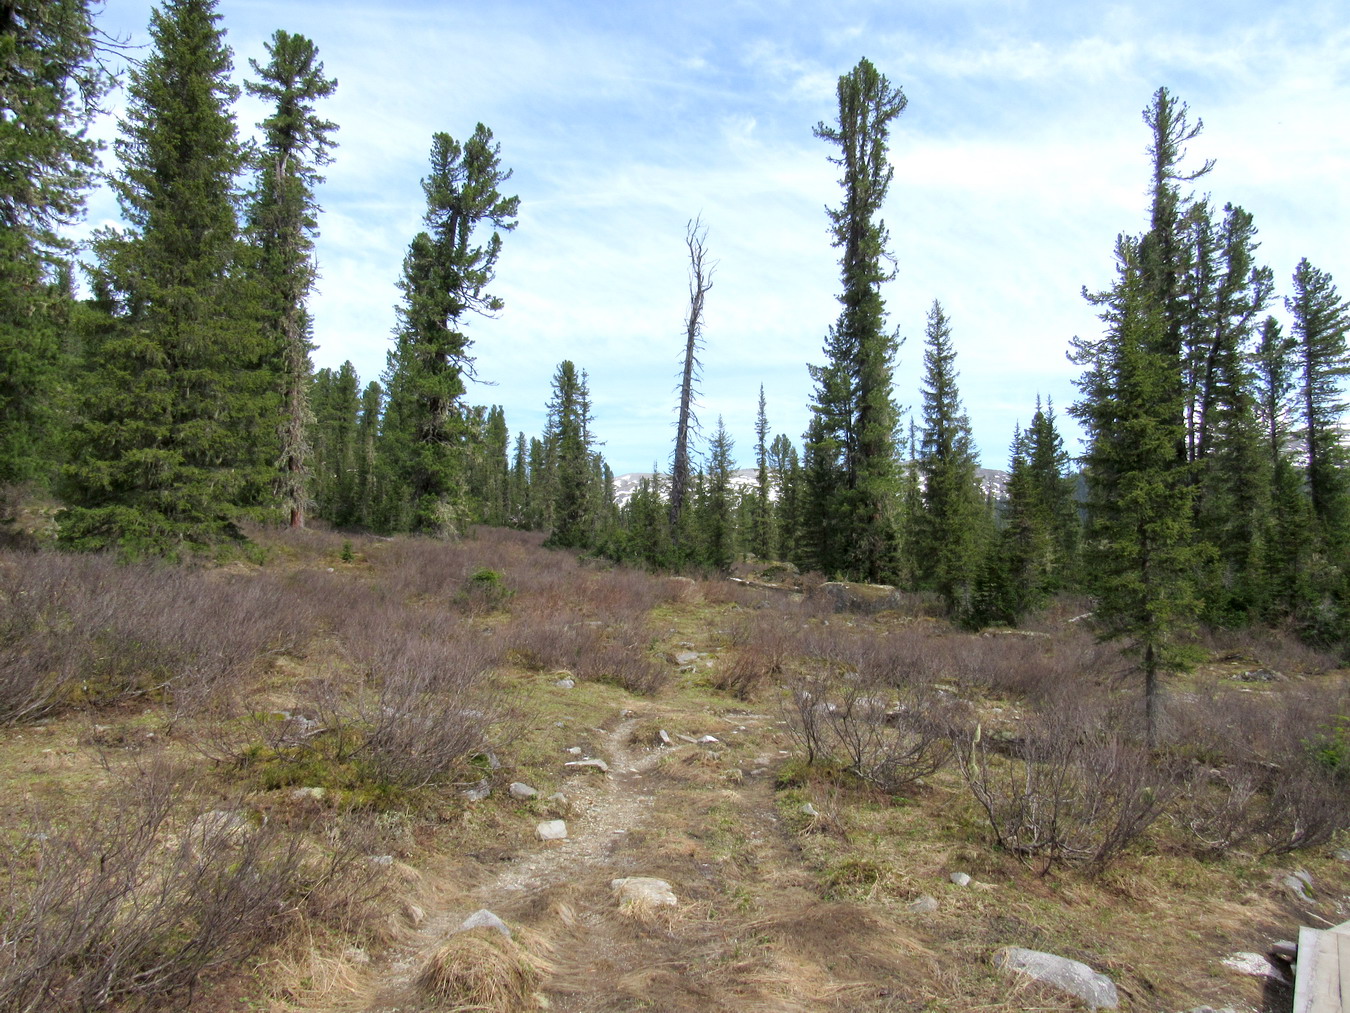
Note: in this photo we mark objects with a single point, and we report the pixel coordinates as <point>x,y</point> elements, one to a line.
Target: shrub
<point>1072,790</point>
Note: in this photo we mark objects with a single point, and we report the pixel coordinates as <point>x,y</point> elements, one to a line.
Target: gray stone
<point>479,791</point>
<point>551,830</point>
<point>960,878</point>
<point>1285,949</point>
<point>709,740</point>
<point>557,798</point>
<point>316,793</point>
<point>1070,976</point>
<point>686,657</point>
<point>484,919</point>
<point>383,861</point>
<point>522,791</point>
<point>1257,965</point>
<point>809,810</point>
<point>1342,854</point>
<point>599,765</point>
<point>1297,886</point>
<point>643,891</point>
<point>565,684</point>
<point>574,750</point>
<point>924,905</point>
<point>666,740</point>
<point>687,738</point>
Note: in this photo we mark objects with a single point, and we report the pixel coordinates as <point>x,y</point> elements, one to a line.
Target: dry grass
<point>480,970</point>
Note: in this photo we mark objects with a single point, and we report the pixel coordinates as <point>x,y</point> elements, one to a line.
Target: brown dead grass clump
<point>480,970</point>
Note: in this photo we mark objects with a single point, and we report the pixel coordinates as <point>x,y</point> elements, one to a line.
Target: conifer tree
<point>446,273</point>
<point>568,440</point>
<point>854,447</point>
<point>367,494</point>
<point>174,422</point>
<point>1140,557</point>
<point>336,400</point>
<point>717,520</point>
<point>953,503</point>
<point>761,530</point>
<point>50,85</point>
<point>283,227</point>
<point>1321,318</point>
<point>785,472</point>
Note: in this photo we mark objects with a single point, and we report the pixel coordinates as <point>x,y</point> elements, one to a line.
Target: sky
<point>1020,157</point>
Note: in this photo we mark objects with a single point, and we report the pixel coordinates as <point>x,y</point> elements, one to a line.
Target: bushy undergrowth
<point>156,893</point>
<point>1061,772</point>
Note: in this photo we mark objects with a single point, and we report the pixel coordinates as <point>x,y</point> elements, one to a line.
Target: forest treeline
<point>179,398</point>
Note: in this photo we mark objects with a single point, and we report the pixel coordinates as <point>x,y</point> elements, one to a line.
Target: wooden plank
<point>1325,995</point>
<point>1306,970</point>
<point>1342,943</point>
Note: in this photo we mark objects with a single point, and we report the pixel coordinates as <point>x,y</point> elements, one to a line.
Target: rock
<point>960,878</point>
<point>809,810</point>
<point>642,891</point>
<point>709,740</point>
<point>599,765</point>
<point>924,905</point>
<point>687,738</point>
<point>1298,886</point>
<point>1071,976</point>
<point>666,740</point>
<point>1285,950</point>
<point>557,798</point>
<point>565,684</point>
<point>383,861</point>
<point>220,825</point>
<point>484,919</point>
<point>522,791</point>
<point>686,657</point>
<point>315,793</point>
<point>479,791</point>
<point>1257,965</point>
<point>414,914</point>
<point>574,750</point>
<point>1342,854</point>
<point>1302,874</point>
<point>551,830</point>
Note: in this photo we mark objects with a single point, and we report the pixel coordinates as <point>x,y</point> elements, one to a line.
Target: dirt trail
<point>602,808</point>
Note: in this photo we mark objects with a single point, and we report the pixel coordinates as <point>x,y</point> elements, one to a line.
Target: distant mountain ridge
<point>992,481</point>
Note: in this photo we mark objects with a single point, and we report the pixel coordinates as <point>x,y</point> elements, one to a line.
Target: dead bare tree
<point>701,271</point>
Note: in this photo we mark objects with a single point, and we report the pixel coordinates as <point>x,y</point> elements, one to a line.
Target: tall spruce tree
<point>567,439</point>
<point>855,435</point>
<point>1140,558</point>
<point>174,423</point>
<point>446,273</point>
<point>50,85</point>
<point>761,528</point>
<point>952,525</point>
<point>1321,319</point>
<point>283,226</point>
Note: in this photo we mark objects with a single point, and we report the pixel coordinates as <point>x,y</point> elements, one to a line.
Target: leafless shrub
<point>1073,789</point>
<point>87,631</point>
<point>886,736</point>
<point>143,903</point>
<point>1270,770</point>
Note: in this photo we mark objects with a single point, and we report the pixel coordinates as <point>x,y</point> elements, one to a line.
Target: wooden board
<point>1322,982</point>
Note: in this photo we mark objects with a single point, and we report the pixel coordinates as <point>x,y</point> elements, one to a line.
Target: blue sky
<point>1020,157</point>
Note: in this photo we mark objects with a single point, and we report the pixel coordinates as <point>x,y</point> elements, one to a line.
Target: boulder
<point>686,657</point>
<point>522,791</point>
<point>1069,976</point>
<point>565,684</point>
<point>924,905</point>
<point>484,919</point>
<point>599,765</point>
<point>479,791</point>
<point>960,878</point>
<point>1258,965</point>
<point>643,892</point>
<point>551,830</point>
